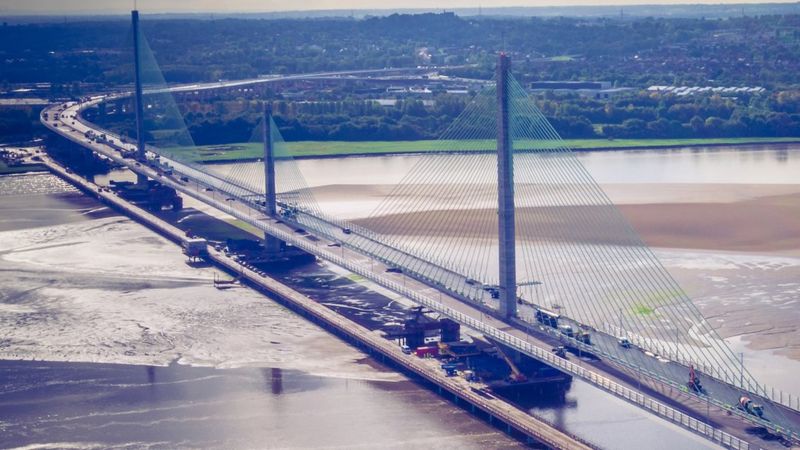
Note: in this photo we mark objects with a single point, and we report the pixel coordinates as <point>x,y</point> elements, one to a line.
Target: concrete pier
<point>505,196</point>
<point>499,412</point>
<point>272,246</point>
<point>684,411</point>
<point>138,97</point>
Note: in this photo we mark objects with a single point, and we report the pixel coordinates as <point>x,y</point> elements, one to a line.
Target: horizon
<point>119,7</point>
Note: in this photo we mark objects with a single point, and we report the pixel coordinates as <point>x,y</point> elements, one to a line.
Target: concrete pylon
<point>269,163</point>
<point>505,195</point>
<point>272,245</point>
<point>141,180</point>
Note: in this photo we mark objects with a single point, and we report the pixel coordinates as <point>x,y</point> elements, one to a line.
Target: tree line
<point>642,115</point>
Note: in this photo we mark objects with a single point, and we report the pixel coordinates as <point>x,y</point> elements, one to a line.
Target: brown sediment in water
<point>752,224</point>
<point>763,219</point>
<point>765,224</point>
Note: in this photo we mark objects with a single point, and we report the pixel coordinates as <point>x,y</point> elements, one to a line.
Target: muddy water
<point>131,348</point>
<point>80,405</point>
<point>751,296</point>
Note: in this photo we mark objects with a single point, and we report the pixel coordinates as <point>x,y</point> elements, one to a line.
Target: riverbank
<point>5,169</point>
<point>250,151</point>
<point>519,421</point>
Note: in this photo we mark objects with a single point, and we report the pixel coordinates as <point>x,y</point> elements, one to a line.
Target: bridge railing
<point>546,356</point>
<point>527,348</point>
<point>778,397</point>
<point>723,376</point>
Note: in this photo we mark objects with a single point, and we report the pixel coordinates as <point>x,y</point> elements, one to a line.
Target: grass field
<point>310,149</point>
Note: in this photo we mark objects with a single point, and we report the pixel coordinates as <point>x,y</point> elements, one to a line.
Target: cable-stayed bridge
<point>502,230</point>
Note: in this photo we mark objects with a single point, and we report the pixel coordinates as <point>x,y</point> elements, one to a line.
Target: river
<point>133,348</point>
<point>723,220</point>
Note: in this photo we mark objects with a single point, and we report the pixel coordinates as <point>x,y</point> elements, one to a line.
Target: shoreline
<point>23,169</point>
<point>516,421</point>
<point>452,152</point>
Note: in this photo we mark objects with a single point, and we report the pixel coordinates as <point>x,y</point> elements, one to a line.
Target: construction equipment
<point>450,369</point>
<point>418,326</point>
<point>584,336</point>
<point>195,248</point>
<point>516,376</point>
<point>427,352</point>
<point>750,407</point>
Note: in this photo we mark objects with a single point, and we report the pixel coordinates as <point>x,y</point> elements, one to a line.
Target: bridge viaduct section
<point>515,420</point>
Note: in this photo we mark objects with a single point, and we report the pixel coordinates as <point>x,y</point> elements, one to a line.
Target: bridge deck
<point>612,378</point>
<point>496,408</point>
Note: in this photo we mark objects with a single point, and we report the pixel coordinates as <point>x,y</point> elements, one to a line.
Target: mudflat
<point>762,224</point>
<point>750,218</point>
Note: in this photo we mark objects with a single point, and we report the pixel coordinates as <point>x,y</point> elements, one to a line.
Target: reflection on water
<point>32,184</point>
<point>181,406</point>
<point>40,199</point>
<point>100,405</point>
<point>777,164</point>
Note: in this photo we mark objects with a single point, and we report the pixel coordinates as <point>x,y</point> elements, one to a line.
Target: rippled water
<point>72,405</point>
<point>83,286</point>
<point>183,406</point>
<point>32,184</point>
<point>148,308</point>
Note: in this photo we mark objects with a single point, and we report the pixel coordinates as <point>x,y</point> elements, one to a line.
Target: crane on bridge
<point>516,375</point>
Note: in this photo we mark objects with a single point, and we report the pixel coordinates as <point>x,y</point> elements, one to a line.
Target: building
<point>593,89</point>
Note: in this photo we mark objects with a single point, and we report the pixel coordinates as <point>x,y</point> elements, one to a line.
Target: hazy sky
<point>159,6</point>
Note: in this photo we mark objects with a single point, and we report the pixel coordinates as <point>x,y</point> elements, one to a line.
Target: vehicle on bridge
<point>694,382</point>
<point>548,318</point>
<point>493,290</point>
<point>584,336</point>
<point>289,212</point>
<point>195,248</point>
<point>747,405</point>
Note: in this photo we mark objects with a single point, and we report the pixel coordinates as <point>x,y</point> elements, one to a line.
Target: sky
<point>195,6</point>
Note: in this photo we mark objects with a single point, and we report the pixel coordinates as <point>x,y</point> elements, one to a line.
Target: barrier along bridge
<point>500,229</point>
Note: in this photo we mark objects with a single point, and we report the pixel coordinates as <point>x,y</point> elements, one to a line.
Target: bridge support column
<point>271,244</point>
<point>141,180</point>
<point>505,196</point>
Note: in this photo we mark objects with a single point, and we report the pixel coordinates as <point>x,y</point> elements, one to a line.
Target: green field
<point>310,149</point>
